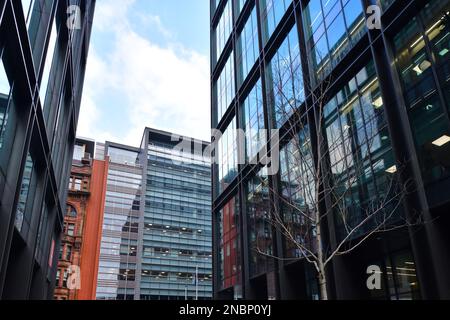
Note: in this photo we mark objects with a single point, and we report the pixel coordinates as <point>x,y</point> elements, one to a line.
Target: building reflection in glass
<point>230,261</point>
<point>422,50</point>
<point>117,266</point>
<point>259,223</point>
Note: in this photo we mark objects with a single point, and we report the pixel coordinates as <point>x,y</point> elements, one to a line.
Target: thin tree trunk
<point>323,287</point>
<point>321,264</point>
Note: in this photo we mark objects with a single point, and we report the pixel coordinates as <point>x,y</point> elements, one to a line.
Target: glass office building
<point>118,248</point>
<point>386,105</point>
<point>176,244</point>
<point>42,64</point>
<point>156,242</point>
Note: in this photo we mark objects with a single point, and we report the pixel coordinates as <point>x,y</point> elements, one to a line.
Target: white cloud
<point>164,87</point>
<point>149,21</point>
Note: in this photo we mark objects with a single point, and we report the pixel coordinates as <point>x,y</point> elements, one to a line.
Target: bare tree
<point>330,163</point>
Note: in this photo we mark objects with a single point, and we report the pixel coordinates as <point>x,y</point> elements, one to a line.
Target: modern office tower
<point>274,64</point>
<point>176,242</point>
<point>156,242</point>
<point>43,52</point>
<point>120,238</point>
<point>79,253</point>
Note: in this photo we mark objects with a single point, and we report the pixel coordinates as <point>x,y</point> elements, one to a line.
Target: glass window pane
<point>248,47</point>
<point>437,25</point>
<point>227,151</point>
<point>344,27</point>
<point>271,13</point>
<point>285,79</point>
<point>23,195</point>
<point>230,266</point>
<point>223,30</point>
<point>27,6</point>
<point>254,121</point>
<point>225,87</point>
<point>43,92</point>
<point>4,82</point>
<point>4,101</point>
<point>259,229</point>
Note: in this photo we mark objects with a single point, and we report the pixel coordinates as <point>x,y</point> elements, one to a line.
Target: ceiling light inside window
<point>422,67</point>
<point>392,169</point>
<point>442,141</point>
<point>443,52</point>
<point>378,103</point>
<point>417,70</point>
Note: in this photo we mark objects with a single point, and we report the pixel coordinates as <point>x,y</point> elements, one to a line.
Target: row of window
<point>332,28</point>
<point>118,241</point>
<point>36,13</point>
<point>177,191</point>
<point>422,51</point>
<point>79,184</point>
<point>65,252</point>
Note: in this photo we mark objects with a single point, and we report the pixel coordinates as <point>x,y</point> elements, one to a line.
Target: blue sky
<point>148,65</point>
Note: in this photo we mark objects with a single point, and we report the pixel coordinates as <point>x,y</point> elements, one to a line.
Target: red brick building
<point>80,243</point>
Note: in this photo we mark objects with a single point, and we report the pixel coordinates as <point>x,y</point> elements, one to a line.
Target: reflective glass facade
<point>230,254</point>
<point>176,246</point>
<point>223,30</point>
<point>379,106</point>
<point>297,185</point>
<point>41,82</point>
<point>284,79</point>
<point>271,13</point>
<point>225,88</point>
<point>259,232</point>
<point>227,155</point>
<point>248,47</point>
<point>25,198</point>
<point>359,142</point>
<point>422,53</point>
<point>253,118</point>
<point>332,28</point>
<point>119,243</point>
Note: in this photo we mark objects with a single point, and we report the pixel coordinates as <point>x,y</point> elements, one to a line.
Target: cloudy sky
<point>148,66</point>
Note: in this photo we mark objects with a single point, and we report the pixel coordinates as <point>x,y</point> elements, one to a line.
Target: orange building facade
<point>80,244</point>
